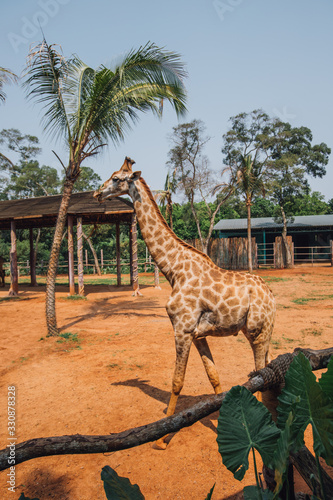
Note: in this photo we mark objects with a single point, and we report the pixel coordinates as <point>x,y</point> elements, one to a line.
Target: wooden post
<point>157,277</point>
<point>13,261</point>
<point>131,255</point>
<point>33,280</point>
<point>80,255</point>
<point>71,256</point>
<point>134,253</point>
<point>86,253</point>
<point>331,245</point>
<point>102,260</point>
<point>118,253</point>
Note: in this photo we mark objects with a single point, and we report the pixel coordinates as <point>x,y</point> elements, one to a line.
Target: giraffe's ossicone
<point>205,299</point>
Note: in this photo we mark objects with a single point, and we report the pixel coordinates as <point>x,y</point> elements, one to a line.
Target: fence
<point>231,253</point>
<point>228,253</point>
<point>313,255</point>
<point>106,266</point>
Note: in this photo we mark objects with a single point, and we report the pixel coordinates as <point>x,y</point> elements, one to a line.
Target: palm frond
<point>45,75</point>
<point>6,76</point>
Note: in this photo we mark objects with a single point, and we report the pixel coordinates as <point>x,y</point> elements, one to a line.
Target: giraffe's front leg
<point>183,346</point>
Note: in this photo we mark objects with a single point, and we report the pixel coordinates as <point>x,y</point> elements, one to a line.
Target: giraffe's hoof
<point>160,444</point>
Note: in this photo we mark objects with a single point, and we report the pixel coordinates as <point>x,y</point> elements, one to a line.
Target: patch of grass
<point>68,336</point>
<point>75,297</point>
<point>3,299</point>
<point>23,359</point>
<point>315,332</point>
<point>113,365</point>
<point>288,340</point>
<point>274,279</point>
<point>71,339</point>
<point>276,344</point>
<point>42,338</point>
<point>301,301</point>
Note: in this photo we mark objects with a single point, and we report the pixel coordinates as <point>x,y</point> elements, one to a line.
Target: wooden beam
<point>118,253</point>
<point>33,280</point>
<point>13,261</point>
<point>80,255</point>
<point>71,256</point>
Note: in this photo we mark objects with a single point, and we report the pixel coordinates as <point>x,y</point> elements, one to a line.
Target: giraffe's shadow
<point>183,402</point>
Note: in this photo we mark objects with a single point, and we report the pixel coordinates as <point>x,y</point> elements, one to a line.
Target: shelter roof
<point>43,211</point>
<point>299,221</point>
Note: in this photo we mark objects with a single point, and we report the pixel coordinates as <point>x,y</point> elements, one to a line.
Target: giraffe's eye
<point>115,179</point>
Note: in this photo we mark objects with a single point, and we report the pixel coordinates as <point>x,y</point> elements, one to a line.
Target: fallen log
<point>262,380</point>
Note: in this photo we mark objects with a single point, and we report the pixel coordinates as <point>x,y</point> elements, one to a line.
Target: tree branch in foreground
<point>82,444</point>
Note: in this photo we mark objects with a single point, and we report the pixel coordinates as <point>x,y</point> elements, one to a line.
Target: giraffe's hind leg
<point>208,362</point>
<point>260,348</point>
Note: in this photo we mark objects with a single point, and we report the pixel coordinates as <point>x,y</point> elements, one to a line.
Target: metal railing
<point>312,255</point>
<point>265,254</point>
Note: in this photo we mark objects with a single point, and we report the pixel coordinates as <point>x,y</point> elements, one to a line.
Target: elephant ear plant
<point>246,425</point>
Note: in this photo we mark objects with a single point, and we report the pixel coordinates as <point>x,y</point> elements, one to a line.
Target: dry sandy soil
<point>117,375</point>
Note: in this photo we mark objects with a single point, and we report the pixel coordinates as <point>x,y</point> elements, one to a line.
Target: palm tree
<point>164,196</point>
<point>87,107</point>
<point>249,178</point>
<point>6,76</point>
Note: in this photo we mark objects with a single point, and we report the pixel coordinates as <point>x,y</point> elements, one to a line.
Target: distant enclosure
<point>231,253</point>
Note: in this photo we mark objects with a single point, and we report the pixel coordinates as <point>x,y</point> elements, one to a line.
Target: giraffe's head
<point>119,182</point>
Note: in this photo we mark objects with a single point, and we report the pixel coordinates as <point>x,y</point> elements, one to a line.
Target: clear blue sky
<point>240,55</point>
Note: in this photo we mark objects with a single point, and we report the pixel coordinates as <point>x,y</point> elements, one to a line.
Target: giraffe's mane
<point>166,226</point>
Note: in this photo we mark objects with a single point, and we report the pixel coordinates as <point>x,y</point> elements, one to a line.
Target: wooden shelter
<point>30,213</point>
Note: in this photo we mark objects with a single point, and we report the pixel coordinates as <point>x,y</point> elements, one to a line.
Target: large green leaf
<point>244,423</point>
<point>313,407</point>
<point>119,488</point>
<point>281,454</point>
<point>209,496</point>
<point>326,380</point>
<point>253,493</point>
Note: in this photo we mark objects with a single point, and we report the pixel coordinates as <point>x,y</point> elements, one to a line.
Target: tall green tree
<point>87,181</point>
<point>21,175</point>
<point>246,149</point>
<point>88,107</point>
<point>164,197</point>
<point>6,76</point>
<point>190,167</point>
<point>293,159</point>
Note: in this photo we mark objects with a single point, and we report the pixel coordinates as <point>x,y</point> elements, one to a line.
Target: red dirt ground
<point>118,376</point>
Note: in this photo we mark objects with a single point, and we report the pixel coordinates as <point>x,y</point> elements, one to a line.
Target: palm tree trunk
<point>249,242</point>
<point>51,320</point>
<point>288,262</point>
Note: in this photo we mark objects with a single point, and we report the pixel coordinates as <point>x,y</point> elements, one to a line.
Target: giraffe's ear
<point>135,176</point>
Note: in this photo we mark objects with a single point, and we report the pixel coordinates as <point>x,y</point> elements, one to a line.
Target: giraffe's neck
<point>164,246</point>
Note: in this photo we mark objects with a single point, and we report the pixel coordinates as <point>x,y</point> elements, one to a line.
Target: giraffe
<point>205,300</point>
